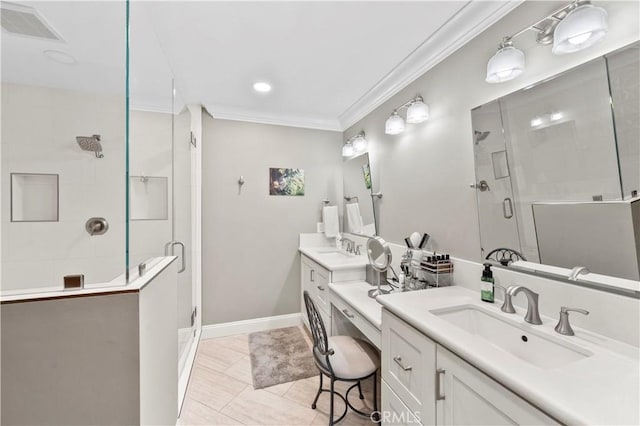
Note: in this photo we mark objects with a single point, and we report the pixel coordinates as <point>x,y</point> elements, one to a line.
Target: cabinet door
<point>466,396</point>
<point>306,274</point>
<point>408,366</point>
<point>394,412</point>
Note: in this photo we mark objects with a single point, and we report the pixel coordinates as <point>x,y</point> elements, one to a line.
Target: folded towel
<point>331,222</point>
<point>354,220</point>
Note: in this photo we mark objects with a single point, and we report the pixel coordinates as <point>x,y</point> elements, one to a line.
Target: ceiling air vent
<point>25,21</point>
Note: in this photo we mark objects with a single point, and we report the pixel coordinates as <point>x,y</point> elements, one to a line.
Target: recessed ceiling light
<point>262,87</point>
<point>59,57</point>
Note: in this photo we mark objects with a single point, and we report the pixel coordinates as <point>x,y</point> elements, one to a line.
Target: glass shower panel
<point>561,145</point>
<point>493,185</point>
<point>624,81</point>
<point>63,117</point>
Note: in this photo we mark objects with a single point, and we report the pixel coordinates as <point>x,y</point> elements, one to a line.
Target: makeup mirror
<point>380,259</point>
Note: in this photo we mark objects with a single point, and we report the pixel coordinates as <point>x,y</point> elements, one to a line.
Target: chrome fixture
<point>91,144</point>
<point>564,327</point>
<point>379,254</point>
<point>377,195</point>
<point>532,316</point>
<point>96,226</point>
<point>481,186</point>
<point>575,26</point>
<point>358,250</point>
<point>355,145</point>
<point>168,251</point>
<point>578,270</point>
<point>142,269</point>
<point>480,136</point>
<point>350,245</point>
<point>417,112</point>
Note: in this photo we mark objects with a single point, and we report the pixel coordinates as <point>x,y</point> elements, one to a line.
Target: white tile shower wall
<point>39,127</point>
<point>150,155</point>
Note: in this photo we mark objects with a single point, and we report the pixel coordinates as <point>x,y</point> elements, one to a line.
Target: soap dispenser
<point>486,284</point>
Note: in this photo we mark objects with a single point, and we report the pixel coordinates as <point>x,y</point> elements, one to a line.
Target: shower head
<point>91,144</point>
<point>480,136</point>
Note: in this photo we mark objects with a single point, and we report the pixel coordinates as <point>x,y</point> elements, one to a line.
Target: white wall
<point>425,172</point>
<point>39,129</point>
<point>250,264</point>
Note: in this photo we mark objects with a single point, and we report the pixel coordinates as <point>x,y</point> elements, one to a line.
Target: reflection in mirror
<point>561,161</point>
<point>379,254</point>
<point>58,89</point>
<point>359,215</point>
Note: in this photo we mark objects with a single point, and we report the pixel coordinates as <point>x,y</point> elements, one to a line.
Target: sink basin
<point>334,254</point>
<point>534,348</point>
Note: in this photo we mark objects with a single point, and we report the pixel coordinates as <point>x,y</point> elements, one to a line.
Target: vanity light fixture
<point>355,145</point>
<point>417,112</point>
<point>575,26</point>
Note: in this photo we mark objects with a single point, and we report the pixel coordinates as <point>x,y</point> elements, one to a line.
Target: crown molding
<point>244,114</point>
<point>470,21</point>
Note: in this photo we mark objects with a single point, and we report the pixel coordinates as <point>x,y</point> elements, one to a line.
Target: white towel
<point>354,220</point>
<point>331,223</point>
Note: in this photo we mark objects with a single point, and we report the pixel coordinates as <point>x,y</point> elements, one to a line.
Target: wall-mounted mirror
<point>558,168</point>
<point>359,215</point>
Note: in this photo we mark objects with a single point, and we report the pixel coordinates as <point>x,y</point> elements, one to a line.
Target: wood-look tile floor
<point>220,392</point>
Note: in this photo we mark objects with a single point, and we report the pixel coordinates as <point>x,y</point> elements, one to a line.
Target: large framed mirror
<point>558,169</point>
<point>359,213</point>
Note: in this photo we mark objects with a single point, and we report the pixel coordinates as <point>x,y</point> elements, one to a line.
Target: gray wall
<point>251,268</point>
<point>425,172</point>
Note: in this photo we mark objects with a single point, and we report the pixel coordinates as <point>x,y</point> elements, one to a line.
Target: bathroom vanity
<point>448,358</point>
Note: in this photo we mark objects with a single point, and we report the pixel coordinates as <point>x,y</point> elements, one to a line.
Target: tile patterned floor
<point>220,392</point>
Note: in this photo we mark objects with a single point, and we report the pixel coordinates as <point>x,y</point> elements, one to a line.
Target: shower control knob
<point>96,226</point>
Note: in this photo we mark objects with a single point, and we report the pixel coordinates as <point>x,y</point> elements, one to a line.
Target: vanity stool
<point>342,358</point>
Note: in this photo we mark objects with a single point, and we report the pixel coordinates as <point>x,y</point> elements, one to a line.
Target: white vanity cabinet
<point>423,381</point>
<point>315,279</point>
<point>468,396</point>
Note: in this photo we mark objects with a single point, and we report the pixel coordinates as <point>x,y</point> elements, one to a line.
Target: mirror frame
<point>386,254</point>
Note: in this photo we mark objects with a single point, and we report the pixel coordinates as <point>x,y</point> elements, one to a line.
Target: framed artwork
<point>367,175</point>
<point>286,181</point>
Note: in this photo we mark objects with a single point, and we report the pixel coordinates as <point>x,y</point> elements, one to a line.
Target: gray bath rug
<point>279,356</point>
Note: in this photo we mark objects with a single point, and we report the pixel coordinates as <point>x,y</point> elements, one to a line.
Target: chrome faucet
<point>350,244</point>
<point>564,327</point>
<point>573,276</point>
<point>532,316</point>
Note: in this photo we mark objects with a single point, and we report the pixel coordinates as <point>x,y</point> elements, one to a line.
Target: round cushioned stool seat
<point>352,358</point>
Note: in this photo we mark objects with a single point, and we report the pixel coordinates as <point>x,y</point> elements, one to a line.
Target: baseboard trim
<point>249,326</point>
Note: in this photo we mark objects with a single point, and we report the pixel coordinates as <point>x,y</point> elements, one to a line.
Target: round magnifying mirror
<point>380,258</point>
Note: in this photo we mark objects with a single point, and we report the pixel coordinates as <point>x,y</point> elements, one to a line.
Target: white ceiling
<point>329,63</point>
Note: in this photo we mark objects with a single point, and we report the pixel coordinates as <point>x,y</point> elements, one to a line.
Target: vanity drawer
<point>315,280</point>
<point>361,323</point>
<point>408,365</point>
<point>394,411</point>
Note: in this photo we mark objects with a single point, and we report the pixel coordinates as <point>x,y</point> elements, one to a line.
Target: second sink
<point>534,348</point>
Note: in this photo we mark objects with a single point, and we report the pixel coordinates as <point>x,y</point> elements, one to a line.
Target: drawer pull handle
<point>346,312</point>
<point>439,373</point>
<point>311,277</point>
<point>320,288</point>
<point>398,361</point>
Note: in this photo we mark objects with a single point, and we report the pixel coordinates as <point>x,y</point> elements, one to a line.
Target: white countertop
<point>355,294</point>
<point>603,388</point>
<point>348,261</point>
<point>118,285</point>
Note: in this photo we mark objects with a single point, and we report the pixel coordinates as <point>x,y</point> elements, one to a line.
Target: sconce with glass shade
<point>583,27</point>
<point>417,112</point>
<point>575,26</point>
<point>506,64</point>
<point>355,145</point>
